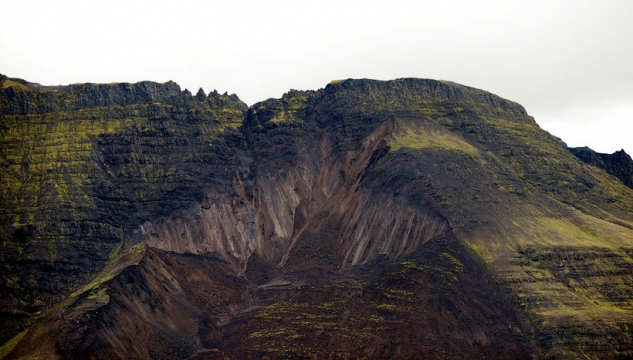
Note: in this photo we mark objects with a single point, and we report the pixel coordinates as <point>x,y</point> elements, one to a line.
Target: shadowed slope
<point>146,304</point>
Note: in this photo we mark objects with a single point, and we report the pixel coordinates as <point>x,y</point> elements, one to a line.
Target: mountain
<point>403,219</point>
<point>618,164</point>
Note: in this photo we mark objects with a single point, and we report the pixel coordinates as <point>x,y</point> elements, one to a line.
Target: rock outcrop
<point>376,219</point>
<point>618,164</point>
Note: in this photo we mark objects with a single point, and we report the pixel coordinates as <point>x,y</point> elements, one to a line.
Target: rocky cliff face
<point>366,219</point>
<point>618,164</point>
<point>84,166</point>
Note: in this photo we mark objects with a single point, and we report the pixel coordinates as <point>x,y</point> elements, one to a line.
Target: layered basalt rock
<point>618,164</point>
<point>84,165</point>
<point>365,219</point>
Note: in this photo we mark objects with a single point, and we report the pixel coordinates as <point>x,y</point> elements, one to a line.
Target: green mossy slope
<point>82,165</point>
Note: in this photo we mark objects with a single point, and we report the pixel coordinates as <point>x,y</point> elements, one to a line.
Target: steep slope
<point>366,219</point>
<point>161,305</point>
<point>146,304</point>
<point>618,164</point>
<point>83,165</point>
<point>553,230</point>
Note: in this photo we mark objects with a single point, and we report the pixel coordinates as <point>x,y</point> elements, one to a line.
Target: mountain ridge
<point>618,164</point>
<point>377,195</point>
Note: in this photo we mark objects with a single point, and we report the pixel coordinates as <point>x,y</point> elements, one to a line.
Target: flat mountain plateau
<point>404,219</point>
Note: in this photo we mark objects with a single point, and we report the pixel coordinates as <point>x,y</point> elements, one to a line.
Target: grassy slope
<point>565,255</point>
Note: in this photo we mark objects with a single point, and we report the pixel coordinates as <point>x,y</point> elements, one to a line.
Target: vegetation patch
<point>409,133</point>
<point>9,345</point>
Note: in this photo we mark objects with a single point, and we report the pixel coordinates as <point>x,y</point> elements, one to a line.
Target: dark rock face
<point>83,165</point>
<point>401,219</point>
<point>618,164</point>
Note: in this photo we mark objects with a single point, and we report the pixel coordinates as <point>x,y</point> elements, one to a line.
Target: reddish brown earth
<point>172,306</point>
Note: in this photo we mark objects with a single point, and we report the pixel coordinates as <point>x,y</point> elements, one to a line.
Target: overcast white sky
<point>569,62</point>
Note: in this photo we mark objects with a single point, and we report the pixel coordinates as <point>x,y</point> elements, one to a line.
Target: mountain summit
<point>403,219</point>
